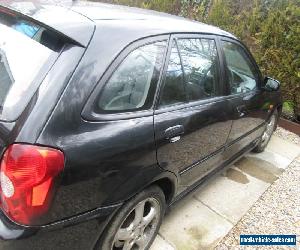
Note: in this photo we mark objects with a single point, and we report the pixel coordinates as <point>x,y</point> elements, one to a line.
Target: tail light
<point>27,177</point>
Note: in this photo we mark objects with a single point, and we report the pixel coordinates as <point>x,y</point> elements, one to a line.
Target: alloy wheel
<point>139,227</point>
<point>269,130</point>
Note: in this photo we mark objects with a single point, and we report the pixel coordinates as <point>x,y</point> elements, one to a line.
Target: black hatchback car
<point>109,114</point>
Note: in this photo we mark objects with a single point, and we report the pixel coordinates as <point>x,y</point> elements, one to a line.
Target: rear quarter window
<point>132,85</point>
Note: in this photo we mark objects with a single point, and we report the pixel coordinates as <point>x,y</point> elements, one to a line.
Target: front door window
<point>241,72</point>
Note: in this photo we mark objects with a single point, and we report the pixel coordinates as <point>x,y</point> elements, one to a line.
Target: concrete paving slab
<point>273,158</point>
<point>284,148</point>
<point>235,190</point>
<point>232,193</point>
<point>192,226</point>
<point>161,244</point>
<point>259,168</point>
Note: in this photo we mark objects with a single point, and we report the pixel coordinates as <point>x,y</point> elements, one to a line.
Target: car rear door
<point>191,119</point>
<point>249,110</point>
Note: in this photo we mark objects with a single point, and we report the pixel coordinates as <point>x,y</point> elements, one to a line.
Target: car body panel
<point>30,123</point>
<point>206,129</point>
<point>249,116</point>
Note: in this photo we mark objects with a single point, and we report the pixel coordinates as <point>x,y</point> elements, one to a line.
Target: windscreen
<point>26,51</point>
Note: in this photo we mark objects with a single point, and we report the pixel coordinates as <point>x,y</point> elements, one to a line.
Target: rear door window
<point>192,73</point>
<point>201,67</point>
<point>174,87</point>
<point>26,50</point>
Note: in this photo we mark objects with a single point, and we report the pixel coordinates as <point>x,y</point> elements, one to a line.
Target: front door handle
<point>173,133</point>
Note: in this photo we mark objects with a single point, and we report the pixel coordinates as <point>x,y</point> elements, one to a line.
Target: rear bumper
<point>80,232</point>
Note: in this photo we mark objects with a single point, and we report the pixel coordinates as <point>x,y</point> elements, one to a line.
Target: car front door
<point>191,119</point>
<point>244,95</point>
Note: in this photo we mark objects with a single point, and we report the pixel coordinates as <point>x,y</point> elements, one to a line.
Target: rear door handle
<point>173,133</point>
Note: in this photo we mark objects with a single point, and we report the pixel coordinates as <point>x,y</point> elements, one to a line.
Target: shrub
<point>271,29</point>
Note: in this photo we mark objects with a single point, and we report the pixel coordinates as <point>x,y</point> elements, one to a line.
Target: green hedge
<point>270,28</point>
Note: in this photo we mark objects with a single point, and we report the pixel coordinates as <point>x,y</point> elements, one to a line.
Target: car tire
<point>266,136</point>
<point>136,224</point>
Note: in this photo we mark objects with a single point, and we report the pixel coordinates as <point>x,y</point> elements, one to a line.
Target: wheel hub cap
<point>269,130</point>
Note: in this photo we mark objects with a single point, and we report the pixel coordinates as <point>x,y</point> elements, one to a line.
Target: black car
<point>109,114</point>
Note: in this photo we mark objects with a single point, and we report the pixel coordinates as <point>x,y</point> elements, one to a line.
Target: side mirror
<point>271,84</point>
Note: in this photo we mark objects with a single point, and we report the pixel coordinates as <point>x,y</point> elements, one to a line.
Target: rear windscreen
<point>27,51</point>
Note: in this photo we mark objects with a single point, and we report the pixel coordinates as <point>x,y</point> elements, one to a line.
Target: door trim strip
<point>220,150</point>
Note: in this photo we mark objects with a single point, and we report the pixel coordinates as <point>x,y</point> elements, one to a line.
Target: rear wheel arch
<point>167,181</point>
<point>167,186</point>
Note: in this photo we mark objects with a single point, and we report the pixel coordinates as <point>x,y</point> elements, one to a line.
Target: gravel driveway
<point>286,135</point>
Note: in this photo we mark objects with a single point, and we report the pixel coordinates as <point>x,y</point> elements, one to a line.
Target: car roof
<point>77,20</point>
<point>147,19</point>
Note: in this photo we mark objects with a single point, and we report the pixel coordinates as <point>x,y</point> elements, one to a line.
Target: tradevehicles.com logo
<point>264,240</point>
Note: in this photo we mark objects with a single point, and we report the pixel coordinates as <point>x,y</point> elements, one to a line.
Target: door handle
<point>173,133</point>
